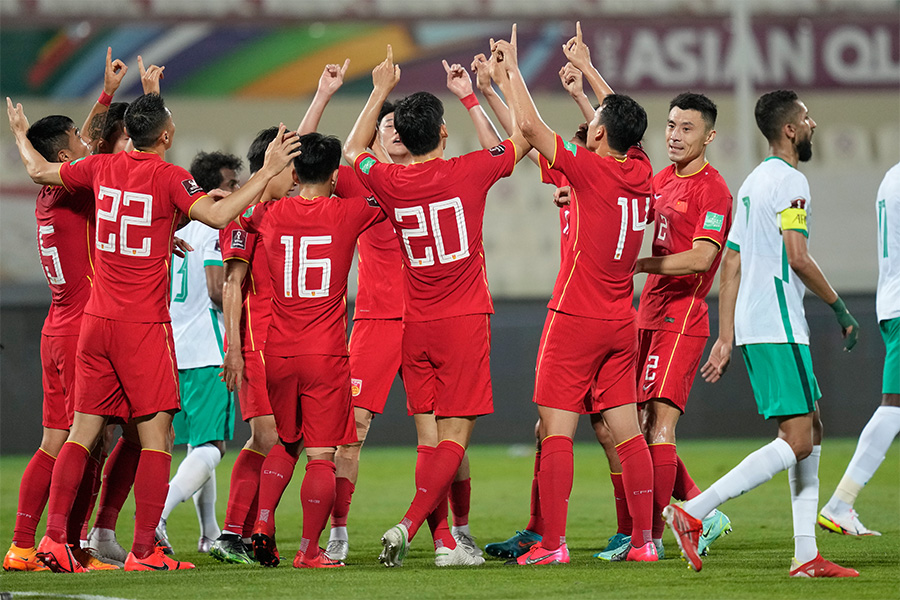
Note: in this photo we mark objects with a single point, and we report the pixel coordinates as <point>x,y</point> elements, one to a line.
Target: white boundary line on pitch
<point>15,595</point>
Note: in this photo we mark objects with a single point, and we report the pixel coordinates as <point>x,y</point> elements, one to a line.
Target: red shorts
<point>253,396</point>
<point>310,398</point>
<point>447,366</point>
<point>374,361</point>
<point>58,379</point>
<point>125,370</point>
<point>668,364</point>
<point>586,365</point>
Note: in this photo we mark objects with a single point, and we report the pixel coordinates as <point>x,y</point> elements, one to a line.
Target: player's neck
<point>159,149</point>
<point>786,151</point>
<point>603,149</point>
<point>314,190</point>
<point>691,167</point>
<point>436,153</point>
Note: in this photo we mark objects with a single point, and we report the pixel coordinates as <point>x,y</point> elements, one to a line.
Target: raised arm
<point>330,82</point>
<point>572,82</point>
<point>384,77</point>
<point>112,79</point>
<point>150,76</point>
<point>579,55</point>
<point>279,154</point>
<point>729,282</point>
<point>459,82</point>
<point>39,169</point>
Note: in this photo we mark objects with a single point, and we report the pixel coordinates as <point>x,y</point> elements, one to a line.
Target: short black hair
<point>774,110</point>
<point>320,156</point>
<point>206,168</point>
<point>256,155</point>
<point>115,121</point>
<point>386,109</point>
<point>50,135</point>
<point>625,121</point>
<point>702,104</point>
<point>145,119</point>
<point>418,119</point>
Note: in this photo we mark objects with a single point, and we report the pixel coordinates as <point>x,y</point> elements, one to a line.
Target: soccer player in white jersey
<point>206,420</point>
<point>764,271</point>
<point>838,515</point>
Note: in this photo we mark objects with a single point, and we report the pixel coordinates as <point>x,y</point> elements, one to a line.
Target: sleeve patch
<point>239,239</point>
<point>498,150</point>
<point>366,164</point>
<point>713,221</point>
<point>371,201</point>
<point>249,212</point>
<point>793,218</point>
<point>191,187</point>
<point>571,147</point>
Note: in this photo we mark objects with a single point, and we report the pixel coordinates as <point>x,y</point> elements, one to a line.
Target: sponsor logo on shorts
<point>498,150</point>
<point>366,165</point>
<point>355,386</point>
<point>191,187</point>
<point>239,239</point>
<point>713,221</point>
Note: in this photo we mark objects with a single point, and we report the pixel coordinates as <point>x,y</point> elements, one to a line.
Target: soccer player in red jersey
<point>309,241</point>
<point>437,209</point>
<point>589,342</point>
<point>125,339</point>
<point>247,300</point>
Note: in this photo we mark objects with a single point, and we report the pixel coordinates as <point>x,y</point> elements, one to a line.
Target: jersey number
<point>883,227</point>
<point>119,198</point>
<point>637,224</point>
<point>306,264</point>
<point>434,209</point>
<point>56,277</point>
<point>181,296</point>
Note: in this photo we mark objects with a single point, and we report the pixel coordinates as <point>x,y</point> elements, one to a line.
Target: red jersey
<point>309,246</point>
<point>437,209</point>
<point>139,200</point>
<point>559,180</point>
<point>380,268</point>
<point>609,204</point>
<point>256,290</point>
<point>685,209</point>
<point>65,237</point>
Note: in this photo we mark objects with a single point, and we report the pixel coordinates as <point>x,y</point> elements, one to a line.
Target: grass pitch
<point>752,562</point>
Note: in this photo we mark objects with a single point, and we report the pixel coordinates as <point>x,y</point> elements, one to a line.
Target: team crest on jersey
<point>239,239</point>
<point>571,147</point>
<point>371,201</point>
<point>355,386</point>
<point>191,187</point>
<point>713,221</point>
<point>498,150</point>
<point>366,164</point>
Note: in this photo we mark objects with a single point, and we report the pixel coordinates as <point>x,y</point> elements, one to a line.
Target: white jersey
<point>769,306</point>
<point>887,299</point>
<point>196,322</point>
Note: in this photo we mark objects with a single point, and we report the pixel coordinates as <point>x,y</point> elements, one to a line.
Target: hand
<point>180,247</point>
<point>386,75</point>
<point>571,79</point>
<point>506,53</point>
<point>717,362</point>
<point>481,66</point>
<point>150,77</point>
<point>849,325</point>
<point>232,368</point>
<point>332,78</point>
<point>218,193</point>
<point>458,80</point>
<point>17,120</point>
<point>115,71</point>
<point>576,50</point>
<point>281,150</point>
<point>561,196</point>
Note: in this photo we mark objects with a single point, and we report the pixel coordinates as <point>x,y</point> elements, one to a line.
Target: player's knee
<point>802,448</point>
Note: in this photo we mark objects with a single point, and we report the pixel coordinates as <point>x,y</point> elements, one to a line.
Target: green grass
<point>752,562</point>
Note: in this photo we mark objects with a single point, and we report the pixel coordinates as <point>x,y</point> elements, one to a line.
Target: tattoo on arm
<point>96,127</point>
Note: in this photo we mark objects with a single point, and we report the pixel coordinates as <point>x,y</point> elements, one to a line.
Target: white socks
<point>804,481</point>
<point>338,534</point>
<point>205,503</point>
<point>757,468</point>
<point>192,473</point>
<point>873,444</point>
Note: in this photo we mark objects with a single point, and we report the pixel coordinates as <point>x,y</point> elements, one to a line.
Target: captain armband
<point>794,219</point>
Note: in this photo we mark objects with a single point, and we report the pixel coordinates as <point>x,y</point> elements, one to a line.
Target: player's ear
<point>63,155</point>
<point>710,136</point>
<point>294,177</point>
<point>444,133</point>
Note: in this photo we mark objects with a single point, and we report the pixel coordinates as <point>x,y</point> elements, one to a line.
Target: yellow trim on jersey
<point>194,203</point>
<point>171,349</point>
<point>694,173</point>
<point>708,239</point>
<point>540,360</point>
<point>662,386</point>
<point>155,450</point>
<point>793,219</point>
<point>236,258</point>
<point>555,150</point>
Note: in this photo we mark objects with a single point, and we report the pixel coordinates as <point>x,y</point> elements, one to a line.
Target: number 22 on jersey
<point>111,225</point>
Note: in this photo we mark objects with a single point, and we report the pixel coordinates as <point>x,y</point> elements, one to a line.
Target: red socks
<point>243,491</point>
<point>343,494</point>
<point>277,470</point>
<point>637,477</point>
<point>437,519</point>
<point>33,493</point>
<point>685,488</point>
<point>151,484</point>
<point>623,517</point>
<point>118,477</point>
<point>557,471</point>
<point>665,467</point>
<point>95,492</point>
<point>460,497</point>
<point>67,475</point>
<point>434,474</point>
<point>82,505</point>
<point>317,497</point>
<point>536,523</point>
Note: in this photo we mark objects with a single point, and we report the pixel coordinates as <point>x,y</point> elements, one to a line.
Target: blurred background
<point>234,67</point>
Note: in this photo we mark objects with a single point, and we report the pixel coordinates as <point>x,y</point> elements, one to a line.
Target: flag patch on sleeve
<point>366,164</point>
<point>713,221</point>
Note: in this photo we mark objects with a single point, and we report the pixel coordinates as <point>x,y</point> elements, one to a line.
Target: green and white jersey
<point>196,322</point>
<point>887,299</point>
<point>769,306</point>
